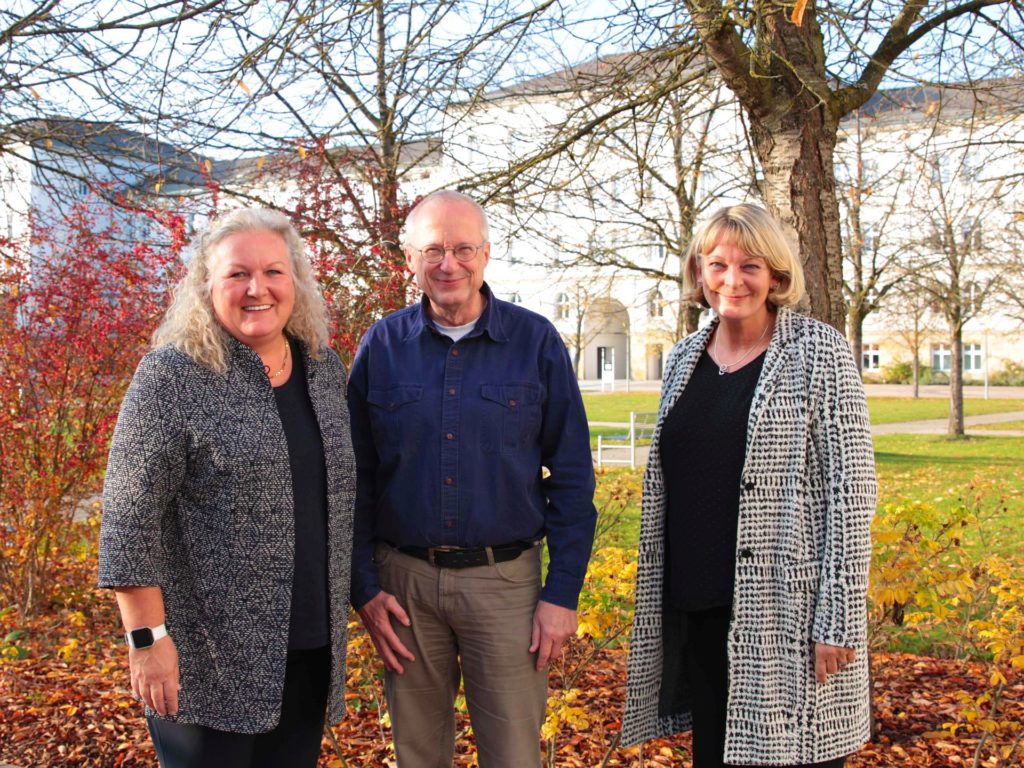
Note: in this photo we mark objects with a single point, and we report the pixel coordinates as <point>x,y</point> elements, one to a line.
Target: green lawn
<point>926,468</point>
<point>615,406</point>
<point>939,471</point>
<point>1000,425</point>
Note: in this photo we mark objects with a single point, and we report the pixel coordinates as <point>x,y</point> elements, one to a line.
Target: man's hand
<point>155,675</point>
<point>552,626</point>
<point>376,616</point>
<point>830,659</point>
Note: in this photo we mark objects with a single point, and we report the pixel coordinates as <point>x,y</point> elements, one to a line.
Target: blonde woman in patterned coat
<point>750,624</point>
<point>227,508</point>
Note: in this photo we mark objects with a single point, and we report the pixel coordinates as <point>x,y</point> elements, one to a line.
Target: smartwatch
<point>144,637</point>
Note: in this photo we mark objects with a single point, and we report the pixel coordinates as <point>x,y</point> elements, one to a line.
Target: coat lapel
<point>771,372</point>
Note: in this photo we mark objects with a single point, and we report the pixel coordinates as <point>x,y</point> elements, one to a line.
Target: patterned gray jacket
<point>198,501</point>
<point>803,552</point>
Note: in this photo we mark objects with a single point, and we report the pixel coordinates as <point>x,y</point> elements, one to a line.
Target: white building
<point>591,236</point>
<point>52,168</point>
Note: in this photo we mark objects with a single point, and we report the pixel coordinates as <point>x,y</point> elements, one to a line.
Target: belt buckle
<point>432,550</point>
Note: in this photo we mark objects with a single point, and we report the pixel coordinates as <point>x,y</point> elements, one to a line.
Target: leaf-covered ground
<point>67,703</point>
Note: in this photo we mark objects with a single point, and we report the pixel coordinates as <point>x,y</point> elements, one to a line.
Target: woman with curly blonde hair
<point>227,508</point>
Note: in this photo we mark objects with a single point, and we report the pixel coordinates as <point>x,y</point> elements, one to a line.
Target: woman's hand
<point>830,659</point>
<point>155,678</point>
<point>155,675</point>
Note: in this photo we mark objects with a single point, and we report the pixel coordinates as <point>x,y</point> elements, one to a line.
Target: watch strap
<point>144,637</point>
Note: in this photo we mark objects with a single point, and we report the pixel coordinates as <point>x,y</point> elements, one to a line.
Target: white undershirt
<point>455,332</point>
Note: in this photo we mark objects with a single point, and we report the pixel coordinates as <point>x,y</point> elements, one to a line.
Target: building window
<point>941,170</point>
<point>656,304</point>
<point>83,188</point>
<point>942,358</point>
<point>515,298</point>
<point>870,357</point>
<point>972,357</point>
<point>970,233</point>
<point>870,241</point>
<point>562,306</point>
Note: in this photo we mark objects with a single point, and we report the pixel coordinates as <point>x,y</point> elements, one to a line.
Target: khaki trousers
<point>473,623</point>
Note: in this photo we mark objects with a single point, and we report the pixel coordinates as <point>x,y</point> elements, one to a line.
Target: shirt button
<point>512,403</point>
<point>455,352</point>
<point>749,485</point>
<point>449,436</point>
<point>449,481</point>
<point>451,390</point>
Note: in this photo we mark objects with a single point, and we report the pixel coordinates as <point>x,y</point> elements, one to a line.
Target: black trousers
<point>706,666</point>
<point>294,742</point>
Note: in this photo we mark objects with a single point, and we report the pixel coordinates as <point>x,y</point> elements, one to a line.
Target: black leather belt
<point>455,557</point>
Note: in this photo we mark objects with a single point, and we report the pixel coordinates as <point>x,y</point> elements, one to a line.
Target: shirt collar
<point>489,322</point>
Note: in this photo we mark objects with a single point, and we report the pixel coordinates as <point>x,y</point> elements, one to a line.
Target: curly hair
<point>753,230</point>
<point>190,324</point>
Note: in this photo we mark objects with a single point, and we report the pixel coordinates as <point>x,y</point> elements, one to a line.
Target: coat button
<point>512,403</point>
<point>455,353</point>
<point>746,553</point>
<point>748,486</point>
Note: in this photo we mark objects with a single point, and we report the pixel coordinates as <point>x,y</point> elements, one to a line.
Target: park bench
<point>622,447</point>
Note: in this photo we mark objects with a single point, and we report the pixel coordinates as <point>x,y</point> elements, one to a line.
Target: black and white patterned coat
<point>198,501</point>
<point>807,497</point>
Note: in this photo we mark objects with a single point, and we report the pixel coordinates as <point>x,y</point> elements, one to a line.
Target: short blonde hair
<point>753,230</point>
<point>190,324</point>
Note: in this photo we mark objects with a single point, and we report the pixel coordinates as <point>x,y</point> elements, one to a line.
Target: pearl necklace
<point>284,363</point>
<point>723,368</point>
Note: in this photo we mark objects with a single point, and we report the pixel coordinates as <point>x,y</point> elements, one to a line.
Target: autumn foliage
<point>351,236</point>
<point>78,303</point>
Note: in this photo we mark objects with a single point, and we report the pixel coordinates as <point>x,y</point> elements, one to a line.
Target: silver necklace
<point>723,368</point>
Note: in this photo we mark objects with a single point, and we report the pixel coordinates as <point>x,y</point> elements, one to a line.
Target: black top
<point>309,625</point>
<point>703,445</point>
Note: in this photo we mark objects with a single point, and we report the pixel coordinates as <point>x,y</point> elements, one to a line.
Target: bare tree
<point>868,196</point>
<point>605,187</point>
<point>799,69</point>
<point>908,315</point>
<point>82,80</point>
<point>960,252</point>
<point>585,308</point>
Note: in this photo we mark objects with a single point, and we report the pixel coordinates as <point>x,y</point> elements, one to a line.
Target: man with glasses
<point>471,447</point>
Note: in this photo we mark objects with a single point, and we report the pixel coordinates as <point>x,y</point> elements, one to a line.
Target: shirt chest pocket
<point>511,417</point>
<point>394,413</point>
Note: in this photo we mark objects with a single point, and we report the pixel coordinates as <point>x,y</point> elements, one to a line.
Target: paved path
<point>939,426</point>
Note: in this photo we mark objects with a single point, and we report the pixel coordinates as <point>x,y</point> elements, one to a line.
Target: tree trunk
<point>855,334</point>
<point>795,151</point>
<point>956,380</point>
<point>917,373</point>
<point>691,318</point>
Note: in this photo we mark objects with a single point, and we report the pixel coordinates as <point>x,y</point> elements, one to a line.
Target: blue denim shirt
<point>450,438</point>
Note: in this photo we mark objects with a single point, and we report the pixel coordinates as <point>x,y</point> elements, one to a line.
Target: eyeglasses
<point>434,254</point>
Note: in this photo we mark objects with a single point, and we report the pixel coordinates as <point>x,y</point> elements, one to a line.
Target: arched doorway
<point>606,330</point>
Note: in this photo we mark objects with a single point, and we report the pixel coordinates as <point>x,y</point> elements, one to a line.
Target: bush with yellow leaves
<point>925,580</point>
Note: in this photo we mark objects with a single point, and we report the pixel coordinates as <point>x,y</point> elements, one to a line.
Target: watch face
<point>141,638</point>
